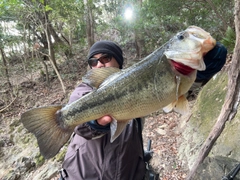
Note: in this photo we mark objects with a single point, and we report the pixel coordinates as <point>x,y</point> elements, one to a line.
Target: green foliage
<point>229,39</point>
<point>157,21</point>
<point>154,22</point>
<point>48,8</point>
<point>60,156</point>
<point>39,159</point>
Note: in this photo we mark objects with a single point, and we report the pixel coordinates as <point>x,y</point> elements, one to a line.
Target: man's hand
<point>103,121</point>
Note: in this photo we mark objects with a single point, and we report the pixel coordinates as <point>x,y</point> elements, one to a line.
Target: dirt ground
<point>164,131</point>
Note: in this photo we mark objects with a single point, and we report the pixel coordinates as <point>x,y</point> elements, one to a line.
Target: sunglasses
<point>103,59</point>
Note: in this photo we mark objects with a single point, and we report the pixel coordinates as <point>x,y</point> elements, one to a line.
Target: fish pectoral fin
<point>42,122</point>
<point>182,106</point>
<point>95,77</point>
<point>169,107</point>
<point>116,128</point>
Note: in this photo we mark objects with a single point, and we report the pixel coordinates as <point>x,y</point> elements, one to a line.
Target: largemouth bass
<point>158,81</point>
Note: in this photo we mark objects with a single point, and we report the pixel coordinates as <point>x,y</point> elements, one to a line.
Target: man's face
<point>110,61</point>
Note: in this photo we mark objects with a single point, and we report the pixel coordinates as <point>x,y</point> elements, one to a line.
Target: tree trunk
<point>44,65</point>
<point>51,53</point>
<point>52,31</point>
<point>230,106</point>
<point>90,23</point>
<point>6,69</point>
<point>138,37</point>
<point>48,29</point>
<point>139,43</point>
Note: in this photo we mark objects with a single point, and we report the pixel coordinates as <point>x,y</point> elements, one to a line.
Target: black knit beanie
<point>107,47</point>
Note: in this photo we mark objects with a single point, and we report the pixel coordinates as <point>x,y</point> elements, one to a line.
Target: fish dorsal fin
<point>116,128</point>
<point>95,77</point>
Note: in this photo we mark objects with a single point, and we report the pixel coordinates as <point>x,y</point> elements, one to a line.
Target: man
<point>90,155</point>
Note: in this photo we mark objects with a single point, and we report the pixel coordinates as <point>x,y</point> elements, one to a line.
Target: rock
<point>2,103</point>
<point>12,176</point>
<point>28,84</point>
<point>225,152</point>
<point>27,163</point>
<point>214,168</point>
<point>47,171</point>
<point>161,131</point>
<point>204,115</point>
<point>2,143</point>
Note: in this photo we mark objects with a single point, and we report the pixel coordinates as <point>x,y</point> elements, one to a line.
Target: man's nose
<point>100,64</point>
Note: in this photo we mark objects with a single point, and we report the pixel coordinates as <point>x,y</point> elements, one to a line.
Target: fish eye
<point>180,36</point>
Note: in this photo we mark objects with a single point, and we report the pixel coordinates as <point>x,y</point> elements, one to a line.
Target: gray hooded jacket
<point>91,156</point>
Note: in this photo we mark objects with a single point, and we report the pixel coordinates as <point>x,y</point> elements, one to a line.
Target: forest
<point>44,45</point>
<point>35,31</point>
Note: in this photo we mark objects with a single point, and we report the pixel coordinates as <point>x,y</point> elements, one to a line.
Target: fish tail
<point>43,122</point>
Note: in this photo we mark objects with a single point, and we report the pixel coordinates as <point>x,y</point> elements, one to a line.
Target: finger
<point>104,120</point>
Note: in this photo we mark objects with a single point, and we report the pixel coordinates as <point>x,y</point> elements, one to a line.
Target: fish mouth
<point>181,68</point>
<point>188,48</point>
